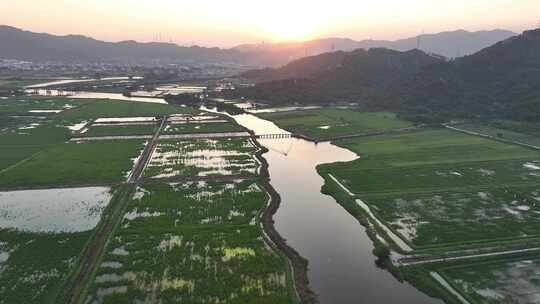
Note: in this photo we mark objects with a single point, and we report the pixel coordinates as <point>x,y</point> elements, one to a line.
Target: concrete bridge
<point>274,136</point>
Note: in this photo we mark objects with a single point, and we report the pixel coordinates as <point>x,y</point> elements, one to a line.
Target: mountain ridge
<point>31,46</point>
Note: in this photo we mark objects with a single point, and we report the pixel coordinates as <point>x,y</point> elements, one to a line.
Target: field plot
<point>119,130</point>
<point>28,125</point>
<point>202,157</point>
<point>459,176</point>
<point>444,218</point>
<point>114,108</point>
<point>502,134</point>
<point>33,105</point>
<point>433,159</point>
<point>499,281</point>
<point>42,233</point>
<point>207,127</point>
<point>192,243</point>
<point>437,188</point>
<point>17,83</point>
<point>328,123</point>
<point>75,164</point>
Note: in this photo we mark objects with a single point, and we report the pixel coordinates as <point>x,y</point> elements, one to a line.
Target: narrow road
<point>138,169</point>
<point>492,137</point>
<point>90,257</point>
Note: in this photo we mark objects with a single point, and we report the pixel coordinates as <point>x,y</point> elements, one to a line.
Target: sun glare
<point>293,20</point>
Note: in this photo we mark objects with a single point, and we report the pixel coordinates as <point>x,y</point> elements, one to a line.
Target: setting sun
<point>227,23</point>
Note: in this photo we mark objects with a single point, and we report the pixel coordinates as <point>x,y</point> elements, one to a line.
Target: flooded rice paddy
<point>53,210</point>
<point>195,242</point>
<point>448,217</point>
<point>203,157</point>
<point>42,233</point>
<point>501,282</point>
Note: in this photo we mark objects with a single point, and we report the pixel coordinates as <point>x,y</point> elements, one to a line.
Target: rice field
<point>502,134</point>
<point>89,163</point>
<point>118,130</point>
<point>446,218</point>
<point>201,127</point>
<point>42,233</point>
<point>197,242</point>
<point>332,122</point>
<point>501,281</point>
<point>437,188</point>
<point>202,157</point>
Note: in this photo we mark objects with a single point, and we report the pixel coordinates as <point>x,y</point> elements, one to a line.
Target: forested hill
<point>502,80</point>
<point>340,76</point>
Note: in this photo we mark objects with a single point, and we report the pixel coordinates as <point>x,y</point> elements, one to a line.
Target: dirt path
<point>418,260</point>
<point>91,255</point>
<point>137,171</point>
<point>87,265</point>
<point>366,134</point>
<point>492,137</point>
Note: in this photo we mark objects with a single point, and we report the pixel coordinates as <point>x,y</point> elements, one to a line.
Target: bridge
<point>274,136</point>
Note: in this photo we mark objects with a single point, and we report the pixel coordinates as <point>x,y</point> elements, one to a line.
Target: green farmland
<point>98,131</point>
<point>437,188</point>
<point>329,123</point>
<point>74,164</point>
<point>206,247</point>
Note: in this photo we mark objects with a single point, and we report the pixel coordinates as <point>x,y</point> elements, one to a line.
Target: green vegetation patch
<point>75,164</point>
<point>194,128</point>
<point>433,159</point>
<point>505,131</point>
<point>515,280</point>
<point>21,142</point>
<point>33,267</point>
<point>192,243</point>
<point>203,157</point>
<point>328,123</point>
<point>437,188</point>
<point>443,218</point>
<point>97,131</point>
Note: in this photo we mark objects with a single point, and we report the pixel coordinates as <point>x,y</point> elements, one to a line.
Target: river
<point>342,267</point>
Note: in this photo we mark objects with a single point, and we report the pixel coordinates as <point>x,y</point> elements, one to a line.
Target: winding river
<point>342,267</point>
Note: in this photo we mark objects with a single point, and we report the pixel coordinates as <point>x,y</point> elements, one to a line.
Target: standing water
<point>342,267</point>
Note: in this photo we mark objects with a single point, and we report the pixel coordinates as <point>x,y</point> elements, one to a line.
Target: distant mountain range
<point>25,45</point>
<point>448,44</point>
<point>502,80</point>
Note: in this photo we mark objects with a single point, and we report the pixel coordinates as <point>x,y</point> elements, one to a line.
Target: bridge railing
<point>274,136</point>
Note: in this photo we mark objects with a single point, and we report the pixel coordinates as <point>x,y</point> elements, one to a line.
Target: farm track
<point>366,134</point>
<point>410,260</point>
<point>526,145</point>
<point>90,257</point>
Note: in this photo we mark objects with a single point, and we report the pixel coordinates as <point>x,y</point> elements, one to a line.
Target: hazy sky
<point>229,22</point>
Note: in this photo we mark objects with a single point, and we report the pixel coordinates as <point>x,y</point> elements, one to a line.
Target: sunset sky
<point>228,23</point>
